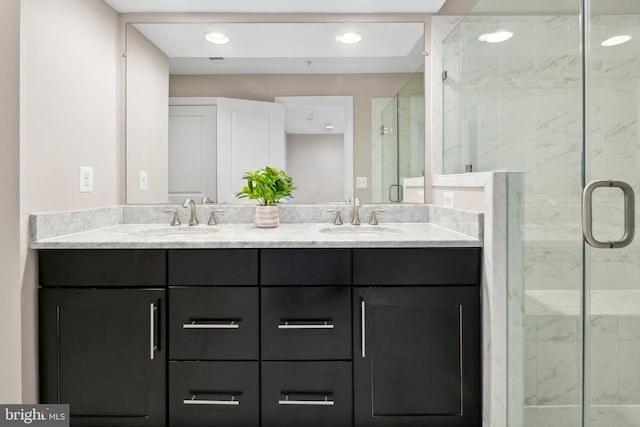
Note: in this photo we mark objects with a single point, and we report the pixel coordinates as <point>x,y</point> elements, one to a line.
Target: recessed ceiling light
<point>216,38</point>
<point>496,37</point>
<point>349,38</point>
<point>329,126</point>
<point>616,40</point>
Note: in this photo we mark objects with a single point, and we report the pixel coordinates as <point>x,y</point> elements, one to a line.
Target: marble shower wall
<point>517,105</point>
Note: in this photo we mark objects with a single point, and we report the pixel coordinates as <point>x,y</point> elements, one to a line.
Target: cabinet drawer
<point>213,267</point>
<point>431,266</point>
<point>305,266</point>
<point>310,394</point>
<point>306,323</point>
<point>213,394</point>
<point>214,323</point>
<point>102,267</point>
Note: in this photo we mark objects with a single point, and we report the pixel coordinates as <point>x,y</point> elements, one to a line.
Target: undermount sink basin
<point>185,231</point>
<point>360,230</point>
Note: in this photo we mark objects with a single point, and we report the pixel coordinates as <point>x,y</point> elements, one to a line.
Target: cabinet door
<point>417,356</point>
<point>102,351</point>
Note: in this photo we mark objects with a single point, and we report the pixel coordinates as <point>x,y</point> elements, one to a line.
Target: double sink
<point>203,231</point>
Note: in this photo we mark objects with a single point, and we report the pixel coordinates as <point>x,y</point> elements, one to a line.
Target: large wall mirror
<point>207,101</point>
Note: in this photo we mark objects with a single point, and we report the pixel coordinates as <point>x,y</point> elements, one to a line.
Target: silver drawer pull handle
<point>363,330</point>
<point>194,325</point>
<point>152,331</point>
<point>287,325</point>
<point>194,401</point>
<point>587,214</point>
<point>325,402</point>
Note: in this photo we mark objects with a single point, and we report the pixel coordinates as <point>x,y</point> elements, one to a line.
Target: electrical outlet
<point>448,199</point>
<point>86,179</point>
<point>143,184</point>
<point>361,182</point>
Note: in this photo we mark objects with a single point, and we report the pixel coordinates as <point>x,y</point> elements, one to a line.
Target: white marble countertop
<point>243,235</point>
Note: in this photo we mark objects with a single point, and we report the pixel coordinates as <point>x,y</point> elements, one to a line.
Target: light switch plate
<point>448,199</point>
<point>86,179</point>
<point>361,182</point>
<point>144,181</point>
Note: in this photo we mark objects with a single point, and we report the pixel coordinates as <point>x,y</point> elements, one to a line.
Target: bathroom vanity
<point>269,335</point>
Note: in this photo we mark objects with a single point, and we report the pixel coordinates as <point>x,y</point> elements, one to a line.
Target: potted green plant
<point>268,186</point>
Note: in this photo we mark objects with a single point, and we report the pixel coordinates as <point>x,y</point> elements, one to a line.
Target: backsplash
<point>53,224</point>
<point>48,225</point>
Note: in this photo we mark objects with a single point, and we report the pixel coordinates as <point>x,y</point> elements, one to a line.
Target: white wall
<point>69,62</point>
<point>147,119</point>
<point>10,364</point>
<point>316,164</point>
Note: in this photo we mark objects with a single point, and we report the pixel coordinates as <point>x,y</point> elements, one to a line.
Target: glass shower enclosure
<point>402,135</point>
<point>559,100</point>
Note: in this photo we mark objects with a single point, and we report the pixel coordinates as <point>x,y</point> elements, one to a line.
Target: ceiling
<point>294,48</point>
<point>278,6</point>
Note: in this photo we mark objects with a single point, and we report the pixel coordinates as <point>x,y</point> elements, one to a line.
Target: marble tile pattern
<point>496,288</point>
<point>290,214</point>
<point>48,225</point>
<point>300,235</point>
<point>517,106</point>
<point>301,226</point>
<point>52,224</point>
<point>553,356</point>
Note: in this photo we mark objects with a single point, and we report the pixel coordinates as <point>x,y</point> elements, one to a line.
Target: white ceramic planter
<point>267,216</point>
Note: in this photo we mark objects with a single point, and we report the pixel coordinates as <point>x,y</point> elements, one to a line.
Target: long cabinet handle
<point>194,401</point>
<point>363,318</point>
<point>325,402</point>
<point>152,331</point>
<point>287,325</point>
<point>587,214</point>
<point>194,325</point>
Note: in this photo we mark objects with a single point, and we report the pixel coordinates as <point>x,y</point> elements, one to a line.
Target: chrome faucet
<point>356,212</point>
<point>193,217</point>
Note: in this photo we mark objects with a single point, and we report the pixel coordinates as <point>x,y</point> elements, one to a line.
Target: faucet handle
<point>338,219</point>
<point>212,216</point>
<point>175,220</point>
<point>374,218</point>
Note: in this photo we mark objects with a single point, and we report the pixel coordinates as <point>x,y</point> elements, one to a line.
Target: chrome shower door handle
<point>587,214</point>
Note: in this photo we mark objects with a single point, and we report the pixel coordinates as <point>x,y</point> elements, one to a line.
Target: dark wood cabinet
<point>310,267</point>
<point>306,323</point>
<point>204,394</point>
<point>416,267</point>
<point>213,267</point>
<point>417,356</point>
<point>103,351</point>
<point>214,323</point>
<point>102,268</point>
<point>309,394</point>
<point>262,337</point>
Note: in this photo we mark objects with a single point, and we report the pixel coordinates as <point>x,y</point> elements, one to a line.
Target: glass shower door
<point>389,132</point>
<point>611,174</point>
<point>402,137</point>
